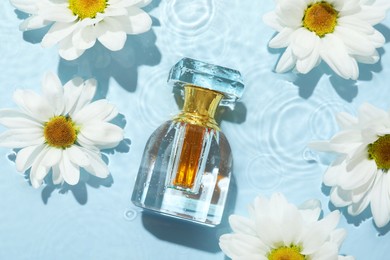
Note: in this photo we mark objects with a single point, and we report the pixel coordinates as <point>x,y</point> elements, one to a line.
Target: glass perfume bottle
<point>186,167</point>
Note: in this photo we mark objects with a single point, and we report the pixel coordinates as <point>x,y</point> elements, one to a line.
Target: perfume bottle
<point>186,167</point>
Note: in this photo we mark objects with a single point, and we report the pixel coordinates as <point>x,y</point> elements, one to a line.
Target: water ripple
<point>188,17</point>
<point>264,172</point>
<point>130,214</point>
<point>288,123</point>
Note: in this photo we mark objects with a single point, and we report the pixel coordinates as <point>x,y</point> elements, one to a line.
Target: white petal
<point>278,203</point>
<point>114,11</point>
<point>371,14</point>
<point>357,42</point>
<point>33,22</point>
<point>333,52</point>
<point>286,61</point>
<point>268,230</point>
<point>72,92</point>
<point>84,38</point>
<point>99,110</point>
<point>303,42</point>
<point>271,20</point>
<point>338,236</point>
<point>137,21</point>
<point>57,33</point>
<point>53,91</point>
<point>305,65</point>
<point>67,51</point>
<point>318,232</point>
<point>377,39</point>
<point>310,210</point>
<point>97,166</point>
<point>20,138</point>
<point>69,171</point>
<point>368,112</point>
<point>349,136</point>
<point>291,13</point>
<point>380,202</point>
<point>356,208</point>
<point>355,24</point>
<point>111,34</point>
<point>86,95</point>
<point>333,173</point>
<point>38,171</point>
<point>348,7</point>
<point>124,3</point>
<point>327,251</point>
<point>358,176</point>
<point>242,225</point>
<point>52,157</point>
<point>368,59</point>
<point>346,120</point>
<point>58,13</point>
<point>77,156</point>
<point>239,245</point>
<point>340,197</point>
<point>34,105</point>
<point>12,118</point>
<point>102,134</point>
<point>282,39</point>
<point>57,177</point>
<point>291,224</point>
<point>27,6</point>
<point>26,156</point>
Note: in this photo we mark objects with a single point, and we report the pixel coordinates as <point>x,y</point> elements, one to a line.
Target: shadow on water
<point>188,234</point>
<point>346,89</point>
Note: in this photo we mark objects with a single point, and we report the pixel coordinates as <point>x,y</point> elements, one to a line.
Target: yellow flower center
<point>320,18</point>
<point>60,132</point>
<point>286,253</point>
<point>87,8</point>
<point>380,152</point>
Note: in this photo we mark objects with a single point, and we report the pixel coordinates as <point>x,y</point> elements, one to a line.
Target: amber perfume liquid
<point>186,167</point>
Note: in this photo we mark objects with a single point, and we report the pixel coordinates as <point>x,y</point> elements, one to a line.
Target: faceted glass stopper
<point>204,75</point>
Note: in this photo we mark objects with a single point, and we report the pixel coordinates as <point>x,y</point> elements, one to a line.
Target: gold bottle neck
<point>199,107</point>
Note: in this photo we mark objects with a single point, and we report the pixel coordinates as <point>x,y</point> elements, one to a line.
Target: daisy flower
<point>78,24</point>
<point>339,32</point>
<point>359,177</point>
<point>60,131</point>
<point>279,230</point>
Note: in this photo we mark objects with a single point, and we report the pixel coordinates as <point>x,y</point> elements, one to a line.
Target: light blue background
<point>268,132</point>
